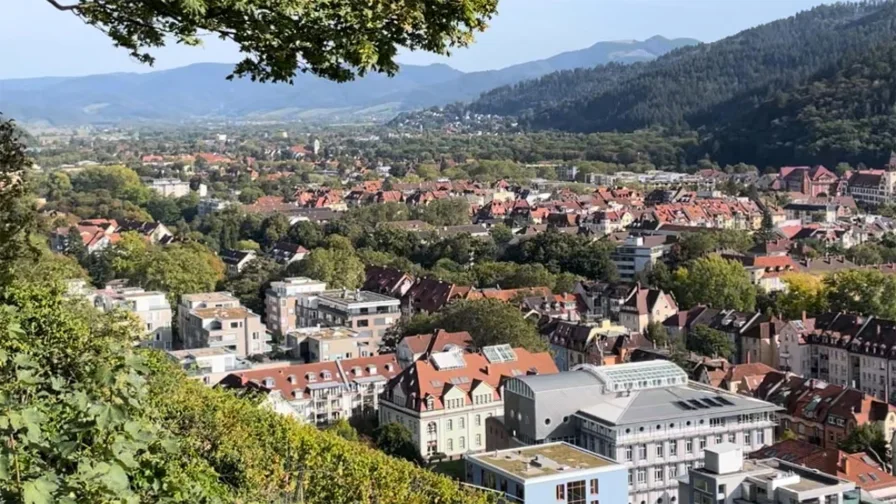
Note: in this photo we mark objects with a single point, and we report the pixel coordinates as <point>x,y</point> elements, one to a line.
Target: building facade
<point>321,344</point>
<point>281,303</point>
<point>637,254</point>
<point>324,392</point>
<point>174,188</point>
<point>646,415</point>
<point>369,313</point>
<point>218,320</point>
<point>445,398</point>
<point>555,472</point>
<point>152,308</point>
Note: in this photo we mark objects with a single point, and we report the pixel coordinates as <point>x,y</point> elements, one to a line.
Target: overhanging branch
<point>61,7</point>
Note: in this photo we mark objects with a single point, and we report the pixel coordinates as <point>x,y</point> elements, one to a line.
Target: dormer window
<point>356,370</point>
<point>310,377</point>
<point>268,382</point>
<point>326,375</point>
<point>389,367</point>
<point>430,403</point>
<point>371,369</point>
<point>291,379</point>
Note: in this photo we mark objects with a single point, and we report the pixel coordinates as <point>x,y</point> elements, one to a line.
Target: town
<point>632,332</point>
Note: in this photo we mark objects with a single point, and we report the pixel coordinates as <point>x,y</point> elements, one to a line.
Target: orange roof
<point>423,380</point>
<point>507,295</point>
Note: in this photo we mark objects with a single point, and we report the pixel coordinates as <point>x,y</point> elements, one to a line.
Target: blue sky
<point>39,41</point>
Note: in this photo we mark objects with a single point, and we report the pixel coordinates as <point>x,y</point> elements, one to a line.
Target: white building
<point>727,477</point>
<point>637,254</point>
<point>218,320</point>
<point>323,392</point>
<point>211,205</point>
<point>152,308</point>
<point>174,188</point>
<point>445,398</point>
<point>646,415</point>
<point>281,303</point>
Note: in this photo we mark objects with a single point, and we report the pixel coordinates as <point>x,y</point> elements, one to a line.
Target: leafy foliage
<point>869,438</point>
<point>395,440</point>
<point>716,282</point>
<point>704,340</point>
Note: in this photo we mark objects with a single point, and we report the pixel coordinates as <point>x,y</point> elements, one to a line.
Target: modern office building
<point>281,303</point>
<point>445,397</point>
<point>555,472</point>
<point>727,477</point>
<point>646,415</point>
<point>369,313</point>
<point>152,308</point>
<point>218,320</point>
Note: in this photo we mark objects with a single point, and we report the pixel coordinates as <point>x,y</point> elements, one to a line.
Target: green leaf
<point>4,467</point>
<point>27,376</point>
<point>39,491</point>
<point>116,479</point>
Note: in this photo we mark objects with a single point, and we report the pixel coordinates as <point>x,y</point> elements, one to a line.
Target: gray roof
<point>559,381</point>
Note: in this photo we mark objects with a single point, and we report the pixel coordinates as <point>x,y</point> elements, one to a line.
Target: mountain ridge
<point>200,91</point>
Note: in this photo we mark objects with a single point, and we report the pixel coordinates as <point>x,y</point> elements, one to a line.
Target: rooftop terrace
<point>542,460</point>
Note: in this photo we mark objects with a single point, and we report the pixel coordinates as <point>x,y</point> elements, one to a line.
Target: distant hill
<point>201,91</point>
<point>702,86</point>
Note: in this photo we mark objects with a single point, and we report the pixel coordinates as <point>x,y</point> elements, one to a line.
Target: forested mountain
<point>201,90</point>
<point>702,85</point>
<point>842,115</point>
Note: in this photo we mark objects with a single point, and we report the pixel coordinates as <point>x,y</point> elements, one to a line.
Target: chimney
<point>804,316</point>
<point>749,356</point>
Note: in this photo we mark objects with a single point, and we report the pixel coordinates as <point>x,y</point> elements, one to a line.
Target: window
<point>460,422</point>
<point>478,439</point>
<point>689,446</point>
<point>628,453</point>
<point>595,486</point>
<point>702,443</point>
<point>658,474</point>
<point>449,425</point>
<point>363,323</point>
<point>760,437</point>
<point>659,450</point>
<point>732,437</point>
<point>478,420</point>
<point>642,452</point>
<point>561,492</point>
<point>450,444</point>
<point>673,449</point>
<point>748,442</point>
<point>575,492</point>
<point>462,443</point>
<point>642,476</point>
<point>673,471</point>
<point>718,439</point>
<point>630,477</point>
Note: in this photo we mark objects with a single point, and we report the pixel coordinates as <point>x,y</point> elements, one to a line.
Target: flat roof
<point>209,296</point>
<point>542,460</point>
<point>200,352</point>
<point>236,312</point>
<point>349,297</point>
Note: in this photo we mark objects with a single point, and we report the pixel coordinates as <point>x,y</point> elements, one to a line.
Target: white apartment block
<point>174,188</point>
<point>321,344</point>
<point>281,303</point>
<point>152,308</point>
<point>445,397</point>
<point>646,415</point>
<point>218,320</point>
<point>323,392</point>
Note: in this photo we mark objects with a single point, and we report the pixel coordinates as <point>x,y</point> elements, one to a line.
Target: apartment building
<point>174,188</point>
<point>639,253</point>
<point>323,392</point>
<point>281,303</point>
<point>152,308</point>
<point>644,307</point>
<point>321,344</point>
<point>548,473</point>
<point>412,348</point>
<point>369,313</point>
<point>208,365</point>
<point>822,413</point>
<point>445,399</point>
<point>218,320</point>
<point>727,477</point>
<point>646,415</point>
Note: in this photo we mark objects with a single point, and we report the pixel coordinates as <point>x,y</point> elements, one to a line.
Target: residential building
<point>368,313</point>
<point>727,477</point>
<point>555,472</point>
<point>321,344</point>
<point>174,188</point>
<point>412,348</point>
<point>444,399</point>
<point>637,254</point>
<point>281,303</point>
<point>873,187</point>
<point>808,213</point>
<point>287,253</point>
<point>821,413</point>
<point>644,307</point>
<point>812,181</point>
<point>208,365</point>
<point>863,469</point>
<point>323,392</point>
<point>646,415</point>
<point>211,205</point>
<point>236,260</point>
<point>387,281</point>
<point>603,300</point>
<point>572,343</point>
<point>567,173</point>
<point>218,320</point>
<point>152,308</point>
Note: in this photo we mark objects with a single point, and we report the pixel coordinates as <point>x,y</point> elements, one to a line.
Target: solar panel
<point>724,401</point>
<point>873,476</point>
<point>697,404</point>
<point>709,402</point>
<point>684,405</point>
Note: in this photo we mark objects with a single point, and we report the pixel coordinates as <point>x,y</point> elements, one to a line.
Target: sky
<point>40,41</point>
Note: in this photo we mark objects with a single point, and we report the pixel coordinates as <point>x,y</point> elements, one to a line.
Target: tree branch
<point>61,7</point>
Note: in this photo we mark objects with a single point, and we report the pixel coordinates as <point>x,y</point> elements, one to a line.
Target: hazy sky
<point>40,41</point>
